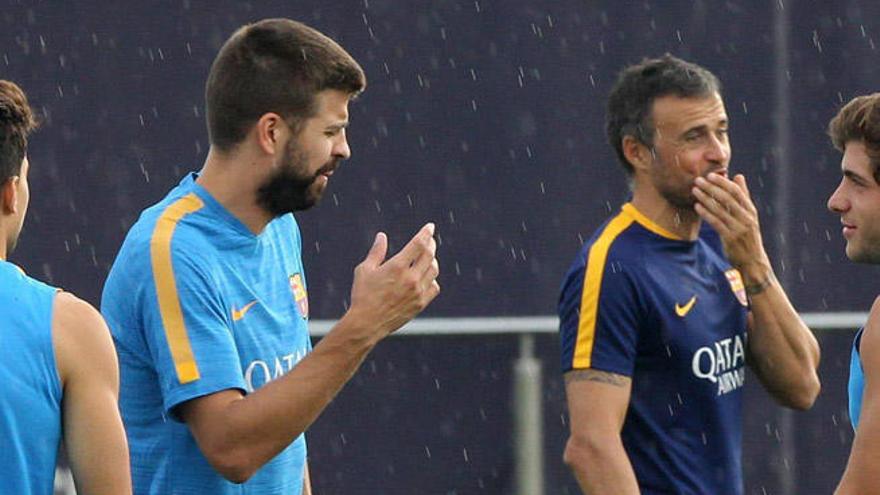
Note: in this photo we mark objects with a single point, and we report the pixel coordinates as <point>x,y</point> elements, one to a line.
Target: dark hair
<point>16,123</point>
<point>632,97</point>
<point>274,65</point>
<point>859,120</point>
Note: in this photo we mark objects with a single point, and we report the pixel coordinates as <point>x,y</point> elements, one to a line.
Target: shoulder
<point>870,342</point>
<point>617,245</point>
<point>79,334</point>
<point>152,247</point>
<point>72,314</point>
<point>170,218</point>
<point>615,248</point>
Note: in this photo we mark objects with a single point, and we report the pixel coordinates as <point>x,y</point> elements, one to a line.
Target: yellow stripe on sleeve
<point>166,288</point>
<point>583,350</point>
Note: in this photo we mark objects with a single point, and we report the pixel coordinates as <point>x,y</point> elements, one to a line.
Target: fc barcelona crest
<point>737,286</point>
<point>299,294</point>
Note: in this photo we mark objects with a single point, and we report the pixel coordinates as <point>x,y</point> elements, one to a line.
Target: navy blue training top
<point>671,314</point>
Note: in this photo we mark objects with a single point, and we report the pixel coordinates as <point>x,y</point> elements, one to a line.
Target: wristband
<point>755,289</point>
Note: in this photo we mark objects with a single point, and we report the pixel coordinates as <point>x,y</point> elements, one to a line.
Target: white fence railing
<point>549,324</point>
<point>528,414</point>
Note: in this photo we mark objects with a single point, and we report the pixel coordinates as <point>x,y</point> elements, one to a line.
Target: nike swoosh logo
<point>238,314</point>
<point>683,310</point>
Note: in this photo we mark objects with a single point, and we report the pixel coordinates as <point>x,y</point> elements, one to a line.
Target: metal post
<point>528,420</point>
<point>782,209</point>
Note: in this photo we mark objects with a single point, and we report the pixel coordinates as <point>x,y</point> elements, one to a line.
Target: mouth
<point>848,229</point>
<point>328,169</point>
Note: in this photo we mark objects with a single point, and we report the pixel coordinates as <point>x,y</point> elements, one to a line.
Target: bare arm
<point>782,350</point>
<point>597,403</point>
<point>860,477</point>
<point>238,434</point>
<point>93,433</point>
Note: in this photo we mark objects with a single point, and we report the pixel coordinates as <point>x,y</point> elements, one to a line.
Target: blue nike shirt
<point>856,385</point>
<point>197,304</point>
<point>671,314</point>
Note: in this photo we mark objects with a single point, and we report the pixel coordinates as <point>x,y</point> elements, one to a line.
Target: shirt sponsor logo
<point>721,363</point>
<point>681,311</point>
<point>260,372</point>
<point>299,294</point>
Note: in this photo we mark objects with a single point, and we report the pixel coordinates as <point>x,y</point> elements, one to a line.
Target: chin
<point>862,256</point>
<point>314,195</point>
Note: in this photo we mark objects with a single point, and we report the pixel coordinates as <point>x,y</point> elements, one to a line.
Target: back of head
<point>637,86</point>
<point>274,65</point>
<point>859,120</point>
<point>16,123</point>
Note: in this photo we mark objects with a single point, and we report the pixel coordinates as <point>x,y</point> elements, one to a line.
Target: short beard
<point>680,199</point>
<point>289,189</point>
<point>286,191</point>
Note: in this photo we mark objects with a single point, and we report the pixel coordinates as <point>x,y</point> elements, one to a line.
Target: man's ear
<point>9,195</point>
<point>269,129</point>
<point>636,153</point>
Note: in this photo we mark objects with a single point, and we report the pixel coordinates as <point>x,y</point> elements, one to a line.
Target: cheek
<point>868,213</point>
<point>25,194</point>
<point>316,156</point>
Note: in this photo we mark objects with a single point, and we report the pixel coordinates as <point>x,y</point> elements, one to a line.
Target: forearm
<point>601,466</point>
<point>783,350</point>
<point>258,426</point>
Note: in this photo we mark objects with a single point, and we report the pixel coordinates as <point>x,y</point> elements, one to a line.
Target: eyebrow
<point>705,127</point>
<point>855,177</point>
<point>337,125</point>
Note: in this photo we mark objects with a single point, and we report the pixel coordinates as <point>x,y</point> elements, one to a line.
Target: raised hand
<point>387,294</point>
<point>727,206</point>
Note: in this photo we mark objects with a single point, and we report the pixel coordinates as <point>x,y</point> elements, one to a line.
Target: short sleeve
<point>599,316</point>
<point>186,328</point>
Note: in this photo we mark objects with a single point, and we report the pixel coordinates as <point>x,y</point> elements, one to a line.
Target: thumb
<point>378,251</point>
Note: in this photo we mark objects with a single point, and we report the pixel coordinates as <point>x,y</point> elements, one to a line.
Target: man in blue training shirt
<point>58,373</point>
<point>207,298</point>
<point>661,311</point>
<point>855,131</point>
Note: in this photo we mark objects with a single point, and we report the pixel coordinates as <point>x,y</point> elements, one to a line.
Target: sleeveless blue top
<point>856,381</point>
<point>30,389</point>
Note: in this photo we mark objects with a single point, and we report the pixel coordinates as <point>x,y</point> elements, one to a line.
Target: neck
<point>232,180</point>
<point>683,222</point>
<point>4,236</point>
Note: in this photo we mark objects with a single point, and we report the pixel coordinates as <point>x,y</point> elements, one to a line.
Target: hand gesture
<point>389,293</point>
<point>727,206</point>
